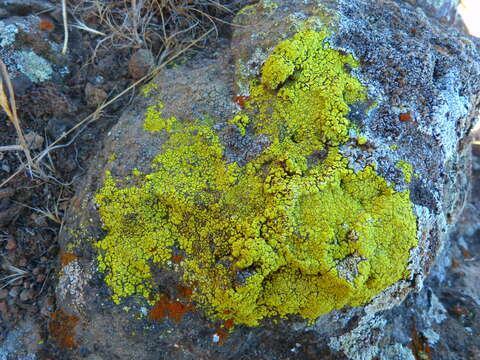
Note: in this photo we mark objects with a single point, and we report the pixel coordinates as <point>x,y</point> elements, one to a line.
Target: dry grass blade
<point>65,27</point>
<point>4,100</point>
<point>133,24</point>
<point>80,25</point>
<point>104,105</point>
<point>10,107</point>
<point>16,274</point>
<point>52,215</point>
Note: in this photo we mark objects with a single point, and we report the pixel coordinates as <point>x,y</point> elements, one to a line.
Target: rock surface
<point>444,11</point>
<point>30,54</point>
<point>424,80</point>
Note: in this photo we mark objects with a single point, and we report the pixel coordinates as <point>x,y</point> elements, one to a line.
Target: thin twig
<point>11,148</point>
<point>44,282</point>
<point>104,105</point>
<point>65,27</point>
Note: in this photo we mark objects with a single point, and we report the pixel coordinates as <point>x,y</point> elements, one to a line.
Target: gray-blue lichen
<point>36,68</point>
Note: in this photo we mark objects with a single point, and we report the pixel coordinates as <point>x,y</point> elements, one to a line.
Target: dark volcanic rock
<point>424,80</point>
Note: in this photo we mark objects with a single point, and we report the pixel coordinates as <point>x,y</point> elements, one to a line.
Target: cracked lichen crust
<point>294,231</point>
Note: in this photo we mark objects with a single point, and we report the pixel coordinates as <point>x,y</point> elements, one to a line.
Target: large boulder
<point>275,197</point>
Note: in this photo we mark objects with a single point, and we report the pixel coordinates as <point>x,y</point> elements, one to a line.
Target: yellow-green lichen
<point>294,231</point>
<point>155,122</point>
<point>265,6</point>
<point>407,170</point>
<point>149,88</point>
<point>241,121</point>
<point>362,140</point>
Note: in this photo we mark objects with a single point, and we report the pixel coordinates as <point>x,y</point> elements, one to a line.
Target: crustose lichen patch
<point>281,235</point>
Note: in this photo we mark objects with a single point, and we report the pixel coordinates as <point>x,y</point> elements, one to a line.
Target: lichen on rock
<point>36,68</point>
<point>295,231</point>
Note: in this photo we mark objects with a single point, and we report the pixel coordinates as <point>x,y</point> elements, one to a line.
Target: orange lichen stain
<point>222,336</point>
<point>242,100</point>
<point>66,258</point>
<point>442,50</point>
<point>419,345</point>
<point>177,259</point>
<point>222,331</point>
<point>46,25</point>
<point>61,328</point>
<point>466,253</point>
<point>184,291</point>
<point>174,310</point>
<point>405,117</point>
<point>454,264</point>
<point>459,310</point>
<point>228,324</point>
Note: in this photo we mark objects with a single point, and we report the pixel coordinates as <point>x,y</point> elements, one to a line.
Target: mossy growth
<point>293,232</point>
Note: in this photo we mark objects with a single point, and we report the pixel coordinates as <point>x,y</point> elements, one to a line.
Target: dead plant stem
<point>9,105</point>
<point>65,27</point>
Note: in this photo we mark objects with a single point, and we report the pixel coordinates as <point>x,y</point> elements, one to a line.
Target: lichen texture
<point>294,231</point>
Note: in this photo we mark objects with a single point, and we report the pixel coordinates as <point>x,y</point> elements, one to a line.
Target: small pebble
<point>3,293</point>
<point>13,293</point>
<point>3,307</point>
<point>140,63</point>
<point>40,278</point>
<point>7,193</point>
<point>39,220</point>
<point>34,141</point>
<point>11,244</point>
<point>22,262</point>
<point>95,95</point>
<point>5,168</point>
<point>36,270</point>
<point>46,307</point>
<point>57,126</point>
<point>26,284</point>
<point>43,259</point>
<point>26,294</point>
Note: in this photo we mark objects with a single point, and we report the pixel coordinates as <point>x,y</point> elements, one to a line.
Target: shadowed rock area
<point>422,82</point>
